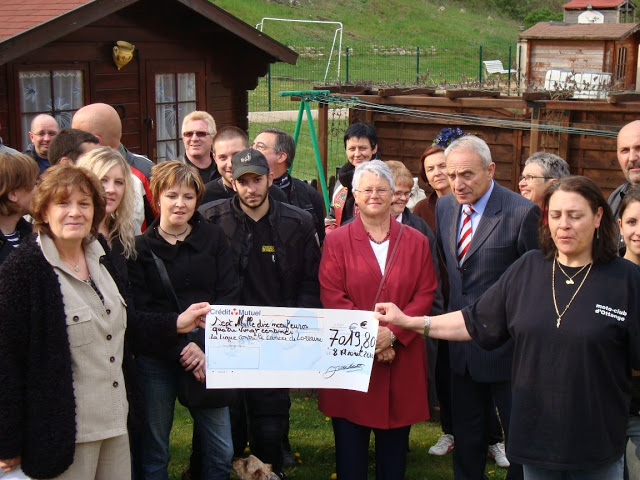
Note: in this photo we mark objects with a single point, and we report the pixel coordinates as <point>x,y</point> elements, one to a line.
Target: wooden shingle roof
<point>30,24</point>
<point>580,31</point>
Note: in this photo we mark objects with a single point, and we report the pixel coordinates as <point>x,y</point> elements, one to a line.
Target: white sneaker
<point>443,446</point>
<point>497,453</point>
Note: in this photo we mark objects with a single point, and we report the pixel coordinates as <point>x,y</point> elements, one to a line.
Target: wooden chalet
<point>609,11</point>
<point>56,56</point>
<point>610,48</point>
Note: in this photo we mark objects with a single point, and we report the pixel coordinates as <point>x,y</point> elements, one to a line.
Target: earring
<point>598,233</point>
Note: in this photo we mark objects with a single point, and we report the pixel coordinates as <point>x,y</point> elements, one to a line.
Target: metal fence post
<point>269,86</point>
<point>509,74</point>
<point>347,64</point>
<point>480,65</point>
<point>417,65</point>
<point>519,73</point>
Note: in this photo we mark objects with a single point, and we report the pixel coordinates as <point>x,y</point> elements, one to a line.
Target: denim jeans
<point>633,448</point>
<point>612,471</point>
<point>151,448</point>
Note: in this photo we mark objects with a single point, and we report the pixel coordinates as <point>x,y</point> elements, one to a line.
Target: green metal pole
<point>316,151</point>
<point>269,86</point>
<point>347,68</point>
<point>296,131</point>
<point>304,106</point>
<point>480,66</point>
<point>417,65</point>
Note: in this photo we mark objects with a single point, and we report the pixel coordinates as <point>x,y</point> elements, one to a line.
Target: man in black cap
<point>276,251</point>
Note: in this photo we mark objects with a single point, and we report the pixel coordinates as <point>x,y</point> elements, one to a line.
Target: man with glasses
<point>481,228</point>
<point>540,169</point>
<point>198,130</point>
<point>43,129</point>
<point>279,149</point>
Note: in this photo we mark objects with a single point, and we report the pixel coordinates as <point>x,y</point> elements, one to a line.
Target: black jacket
<point>37,404</point>
<point>24,230</point>
<point>200,270</point>
<point>295,242</point>
<point>307,198</point>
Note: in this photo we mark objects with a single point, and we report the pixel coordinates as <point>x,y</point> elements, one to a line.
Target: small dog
<point>252,468</point>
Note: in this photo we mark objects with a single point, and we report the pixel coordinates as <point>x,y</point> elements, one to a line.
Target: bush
<point>541,15</point>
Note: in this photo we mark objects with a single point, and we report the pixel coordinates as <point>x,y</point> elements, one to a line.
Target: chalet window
<point>56,92</point>
<point>621,64</point>
<point>175,97</point>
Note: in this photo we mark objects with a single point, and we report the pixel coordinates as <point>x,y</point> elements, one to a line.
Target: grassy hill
<point>402,22</point>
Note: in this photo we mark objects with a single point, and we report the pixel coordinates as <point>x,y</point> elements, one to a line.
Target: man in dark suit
<point>482,228</point>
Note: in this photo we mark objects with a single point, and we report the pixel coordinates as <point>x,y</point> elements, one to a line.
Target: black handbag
<point>192,393</point>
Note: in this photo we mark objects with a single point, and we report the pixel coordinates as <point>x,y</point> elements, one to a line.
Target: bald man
<point>43,128</point>
<point>103,121</point>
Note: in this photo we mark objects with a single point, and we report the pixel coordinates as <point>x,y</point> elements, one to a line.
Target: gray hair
<point>552,165</point>
<point>473,143</point>
<point>378,168</point>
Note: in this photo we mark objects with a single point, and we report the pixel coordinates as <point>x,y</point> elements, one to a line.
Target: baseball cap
<point>248,161</point>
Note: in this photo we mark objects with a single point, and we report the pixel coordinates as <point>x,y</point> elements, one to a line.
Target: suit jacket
<point>349,279</point>
<point>507,229</point>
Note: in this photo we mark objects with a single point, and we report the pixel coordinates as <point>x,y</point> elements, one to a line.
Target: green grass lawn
<point>311,437</point>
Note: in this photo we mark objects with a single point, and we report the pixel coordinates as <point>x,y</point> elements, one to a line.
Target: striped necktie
<point>465,233</point>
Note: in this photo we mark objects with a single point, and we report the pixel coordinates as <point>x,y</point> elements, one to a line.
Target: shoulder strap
<point>166,282</point>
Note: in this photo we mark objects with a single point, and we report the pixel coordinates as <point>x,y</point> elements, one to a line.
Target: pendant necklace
<point>569,280</point>
<point>173,234</point>
<point>74,266</point>
<point>553,290</point>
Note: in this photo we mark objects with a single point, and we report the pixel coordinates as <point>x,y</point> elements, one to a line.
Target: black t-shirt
<point>261,284</point>
<point>571,384</point>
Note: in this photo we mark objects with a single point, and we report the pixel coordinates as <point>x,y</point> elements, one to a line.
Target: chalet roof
<point>29,24</point>
<point>596,4</point>
<point>580,31</point>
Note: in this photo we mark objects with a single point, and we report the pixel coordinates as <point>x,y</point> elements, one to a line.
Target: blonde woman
<point>117,226</point>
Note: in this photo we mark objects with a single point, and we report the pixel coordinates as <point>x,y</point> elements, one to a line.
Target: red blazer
<point>349,279</point>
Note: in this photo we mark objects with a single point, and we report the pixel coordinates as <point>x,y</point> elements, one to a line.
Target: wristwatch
<point>393,339</point>
<point>427,325</point>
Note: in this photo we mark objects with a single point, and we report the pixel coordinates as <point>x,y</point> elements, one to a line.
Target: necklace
<point>553,290</point>
<point>74,266</point>
<point>569,280</point>
<point>386,237</point>
<point>173,234</point>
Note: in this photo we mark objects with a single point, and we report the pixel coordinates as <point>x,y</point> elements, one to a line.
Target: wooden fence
<point>404,136</point>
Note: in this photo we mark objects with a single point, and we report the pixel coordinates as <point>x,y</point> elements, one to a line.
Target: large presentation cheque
<point>274,347</point>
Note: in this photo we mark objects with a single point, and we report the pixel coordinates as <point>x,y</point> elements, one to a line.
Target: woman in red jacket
<point>370,259</point>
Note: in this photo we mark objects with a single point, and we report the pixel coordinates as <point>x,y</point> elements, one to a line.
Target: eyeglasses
<point>406,195</point>
<point>528,178</point>
<point>197,133</point>
<point>383,192</point>
<point>261,146</point>
<point>51,133</point>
